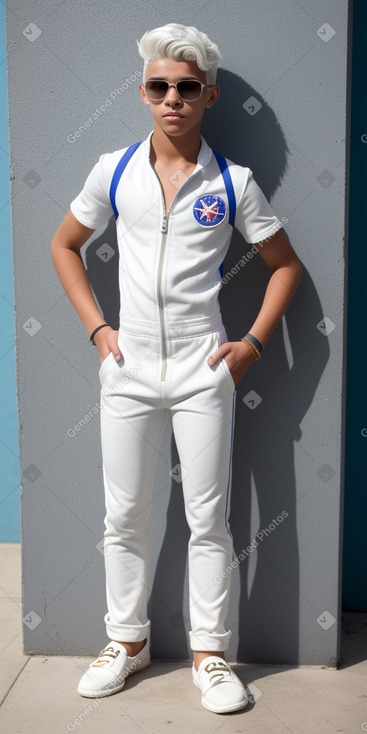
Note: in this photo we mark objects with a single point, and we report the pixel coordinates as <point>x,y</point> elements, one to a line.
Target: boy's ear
<point>143,94</point>
<point>214,94</point>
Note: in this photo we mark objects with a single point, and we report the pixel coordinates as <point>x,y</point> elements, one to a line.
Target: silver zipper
<point>164,230</point>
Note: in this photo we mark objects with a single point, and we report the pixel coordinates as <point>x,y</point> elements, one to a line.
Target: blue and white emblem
<point>209,210</point>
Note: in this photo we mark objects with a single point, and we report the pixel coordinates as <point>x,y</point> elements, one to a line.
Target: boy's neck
<point>169,149</point>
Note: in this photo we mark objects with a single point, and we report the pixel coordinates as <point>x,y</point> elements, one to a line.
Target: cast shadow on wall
<point>263,478</point>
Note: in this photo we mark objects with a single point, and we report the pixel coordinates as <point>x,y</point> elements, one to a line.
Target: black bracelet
<point>91,338</point>
<point>251,338</point>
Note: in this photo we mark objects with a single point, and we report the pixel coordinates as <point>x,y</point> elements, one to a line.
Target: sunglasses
<point>188,89</point>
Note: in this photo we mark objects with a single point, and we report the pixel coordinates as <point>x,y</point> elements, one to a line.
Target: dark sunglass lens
<point>156,89</point>
<point>189,89</point>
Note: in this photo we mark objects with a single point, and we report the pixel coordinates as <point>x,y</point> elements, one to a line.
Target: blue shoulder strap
<point>118,173</point>
<point>222,163</point>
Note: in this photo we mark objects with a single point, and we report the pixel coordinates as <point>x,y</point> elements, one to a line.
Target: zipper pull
<point>164,224</point>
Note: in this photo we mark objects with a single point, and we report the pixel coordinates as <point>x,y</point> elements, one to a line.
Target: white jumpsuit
<point>170,322</point>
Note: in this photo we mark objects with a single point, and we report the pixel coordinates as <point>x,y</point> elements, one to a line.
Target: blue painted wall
<point>9,466</point>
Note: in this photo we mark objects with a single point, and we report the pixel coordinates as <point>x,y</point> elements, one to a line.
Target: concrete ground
<point>38,694</point>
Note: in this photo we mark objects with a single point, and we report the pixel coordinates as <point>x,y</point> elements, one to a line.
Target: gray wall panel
<point>288,451</point>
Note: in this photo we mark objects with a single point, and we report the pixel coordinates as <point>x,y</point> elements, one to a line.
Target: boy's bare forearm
<point>73,277</point>
<point>279,293</point>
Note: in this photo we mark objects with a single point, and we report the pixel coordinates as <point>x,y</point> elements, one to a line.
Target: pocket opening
<point>104,362</point>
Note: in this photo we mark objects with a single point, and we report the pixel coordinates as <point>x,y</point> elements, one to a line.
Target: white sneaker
<point>107,674</point>
<point>222,690</point>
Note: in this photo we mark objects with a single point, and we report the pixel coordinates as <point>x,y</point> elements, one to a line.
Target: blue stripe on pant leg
<point>229,485</point>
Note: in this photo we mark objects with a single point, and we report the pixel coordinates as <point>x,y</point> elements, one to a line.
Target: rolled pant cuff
<point>126,632</point>
<point>206,641</point>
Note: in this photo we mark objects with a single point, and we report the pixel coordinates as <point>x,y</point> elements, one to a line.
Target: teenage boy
<point>176,203</point>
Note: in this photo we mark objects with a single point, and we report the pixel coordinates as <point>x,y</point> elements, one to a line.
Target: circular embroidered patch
<point>209,210</point>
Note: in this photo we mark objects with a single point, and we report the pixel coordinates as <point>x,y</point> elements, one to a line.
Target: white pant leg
<point>131,433</point>
<point>203,429</point>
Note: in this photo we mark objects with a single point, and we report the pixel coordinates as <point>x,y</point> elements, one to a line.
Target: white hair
<point>182,43</point>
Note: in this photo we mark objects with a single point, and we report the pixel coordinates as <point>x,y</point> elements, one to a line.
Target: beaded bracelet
<point>251,338</point>
<point>255,353</point>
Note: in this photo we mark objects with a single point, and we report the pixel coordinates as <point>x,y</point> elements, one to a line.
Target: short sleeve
<point>92,207</point>
<point>255,218</point>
